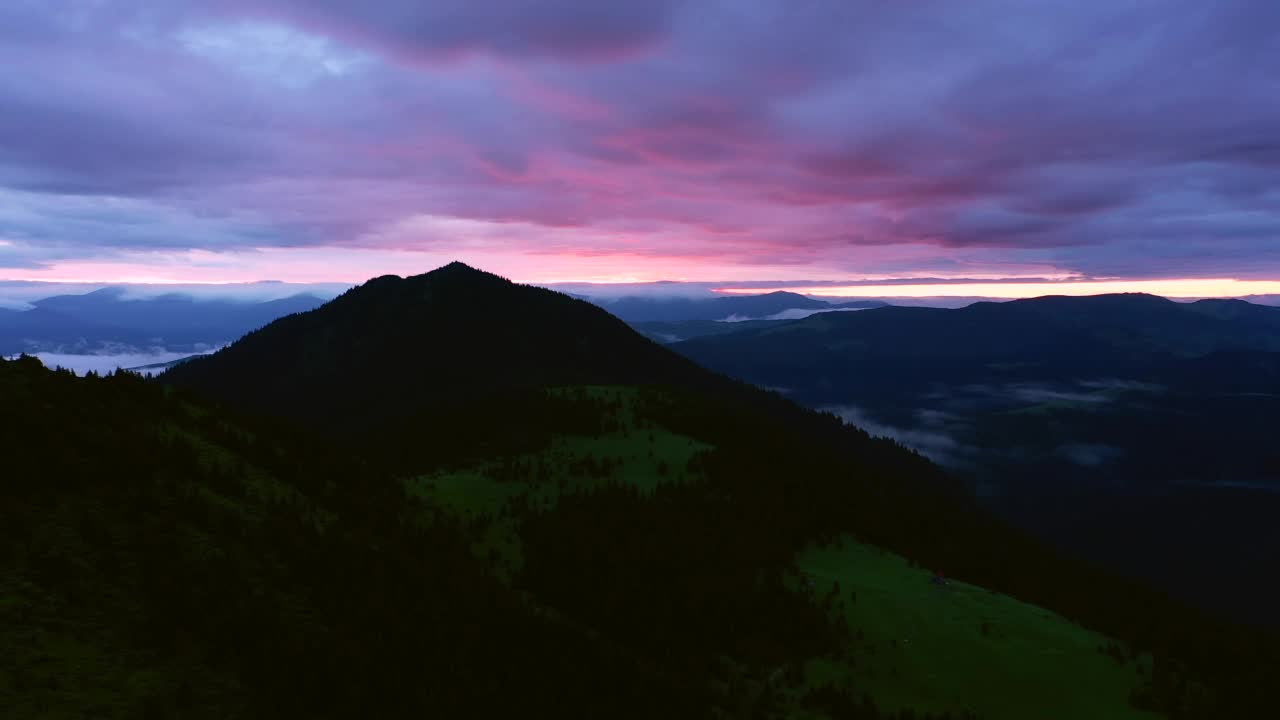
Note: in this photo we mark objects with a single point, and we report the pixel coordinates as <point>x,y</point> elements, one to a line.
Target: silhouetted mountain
<point>395,345</point>
<point>667,309</point>
<point>108,319</point>
<point>1150,323</point>
<point>853,357</point>
<point>858,304</point>
<point>661,527</point>
<point>1263,315</point>
<point>156,368</point>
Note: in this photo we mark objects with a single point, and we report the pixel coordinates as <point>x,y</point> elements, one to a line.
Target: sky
<point>919,146</point>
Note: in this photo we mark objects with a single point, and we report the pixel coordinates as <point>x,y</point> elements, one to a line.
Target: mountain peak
<point>459,269</point>
<point>453,270</point>
<point>110,293</point>
<point>456,265</point>
<point>457,274</point>
<point>1106,300</point>
<point>1222,302</point>
<point>394,344</point>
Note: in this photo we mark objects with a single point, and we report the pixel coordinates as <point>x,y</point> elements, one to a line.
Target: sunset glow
<point>1196,288</point>
<point>731,143</point>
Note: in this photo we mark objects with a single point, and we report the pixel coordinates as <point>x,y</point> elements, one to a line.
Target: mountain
<point>113,307</point>
<point>754,307</point>
<point>673,331</point>
<point>850,357</point>
<point>156,368</point>
<point>1243,310</point>
<point>1150,323</point>
<point>395,346</point>
<point>669,320</point>
<point>667,332</point>
<point>40,329</point>
<point>109,319</point>
<point>1107,424</point>
<point>605,528</point>
<point>162,558</point>
<point>666,508</point>
<point>859,304</point>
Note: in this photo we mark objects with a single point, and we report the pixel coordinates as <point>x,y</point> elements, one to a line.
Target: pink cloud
<point>838,137</point>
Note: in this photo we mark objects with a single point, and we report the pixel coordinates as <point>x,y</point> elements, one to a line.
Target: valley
<point>1117,427</point>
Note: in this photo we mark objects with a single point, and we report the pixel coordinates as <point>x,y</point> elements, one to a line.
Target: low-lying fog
<point>105,363</point>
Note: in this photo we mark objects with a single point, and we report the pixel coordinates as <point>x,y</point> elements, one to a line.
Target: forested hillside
<point>276,531</point>
<point>163,559</point>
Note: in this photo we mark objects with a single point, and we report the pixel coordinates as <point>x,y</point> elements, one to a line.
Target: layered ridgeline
<point>672,319</point>
<point>437,536</point>
<point>886,352</point>
<point>770,305</point>
<point>1131,429</point>
<point>110,320</point>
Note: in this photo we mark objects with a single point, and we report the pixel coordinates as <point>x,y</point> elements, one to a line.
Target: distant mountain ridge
<point>109,318</point>
<point>754,307</point>
<point>837,356</point>
<point>112,306</point>
<point>1131,415</point>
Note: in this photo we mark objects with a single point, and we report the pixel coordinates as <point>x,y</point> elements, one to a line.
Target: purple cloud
<point>1104,139</point>
<point>568,30</point>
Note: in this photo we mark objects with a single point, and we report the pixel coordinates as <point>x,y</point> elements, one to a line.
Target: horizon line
<point>1004,288</point>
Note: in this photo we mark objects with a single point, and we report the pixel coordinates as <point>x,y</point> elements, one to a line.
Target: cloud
<point>934,444</point>
<point>826,138</point>
<point>790,314</point>
<point>1084,395</point>
<point>1122,385</point>
<point>110,361</point>
<point>1089,455</point>
<point>802,313</point>
<point>444,30</point>
<point>1032,393</point>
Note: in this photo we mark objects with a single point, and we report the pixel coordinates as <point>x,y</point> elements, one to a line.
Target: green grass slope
<point>907,643</point>
<point>631,451</point>
<point>917,644</point>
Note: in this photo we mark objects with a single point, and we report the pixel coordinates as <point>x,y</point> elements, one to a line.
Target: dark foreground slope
<point>161,558</point>
<point>484,396</point>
